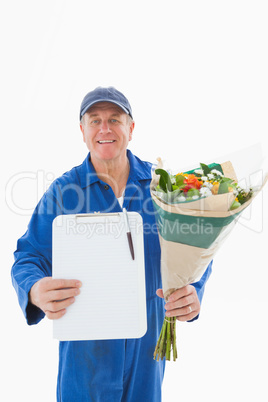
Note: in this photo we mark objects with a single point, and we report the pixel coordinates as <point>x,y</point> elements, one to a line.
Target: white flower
<point>235,191</point>
<point>217,172</point>
<point>204,178</point>
<point>210,176</point>
<point>181,198</point>
<point>205,192</point>
<point>207,184</point>
<point>199,171</point>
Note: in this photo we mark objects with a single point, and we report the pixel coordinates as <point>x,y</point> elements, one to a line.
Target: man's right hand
<point>53,296</point>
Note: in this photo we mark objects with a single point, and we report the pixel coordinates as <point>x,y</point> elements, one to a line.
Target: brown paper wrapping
<point>182,264</point>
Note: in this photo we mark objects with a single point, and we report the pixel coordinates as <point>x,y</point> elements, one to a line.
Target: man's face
<point>107,131</point>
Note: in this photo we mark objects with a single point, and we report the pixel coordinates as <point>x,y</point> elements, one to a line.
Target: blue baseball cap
<point>109,94</point>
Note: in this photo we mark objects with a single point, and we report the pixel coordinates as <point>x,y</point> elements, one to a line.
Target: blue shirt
<point>105,370</point>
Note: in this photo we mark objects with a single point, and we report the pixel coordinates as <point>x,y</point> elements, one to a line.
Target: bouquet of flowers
<point>195,212</point>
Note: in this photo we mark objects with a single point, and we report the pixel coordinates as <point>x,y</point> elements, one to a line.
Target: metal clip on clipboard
<point>103,217</point>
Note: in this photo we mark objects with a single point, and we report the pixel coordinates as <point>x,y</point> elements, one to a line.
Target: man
<point>109,178</point>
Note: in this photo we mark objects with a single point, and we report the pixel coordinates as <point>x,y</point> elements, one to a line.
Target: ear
<point>131,128</point>
<point>83,131</point>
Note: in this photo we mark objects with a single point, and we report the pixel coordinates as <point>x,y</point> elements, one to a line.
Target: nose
<point>105,128</point>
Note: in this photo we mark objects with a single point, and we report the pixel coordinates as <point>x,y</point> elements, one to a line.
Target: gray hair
<point>129,119</point>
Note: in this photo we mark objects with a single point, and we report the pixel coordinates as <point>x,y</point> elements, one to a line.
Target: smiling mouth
<point>106,142</point>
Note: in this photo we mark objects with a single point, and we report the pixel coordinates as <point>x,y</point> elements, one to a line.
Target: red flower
<point>191,182</point>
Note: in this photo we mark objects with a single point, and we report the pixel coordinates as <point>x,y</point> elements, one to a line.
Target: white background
<point>195,73</point>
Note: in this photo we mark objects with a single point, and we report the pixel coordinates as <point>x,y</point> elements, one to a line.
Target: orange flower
<point>191,182</point>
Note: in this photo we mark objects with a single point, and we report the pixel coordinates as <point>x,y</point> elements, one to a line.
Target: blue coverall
<point>106,370</point>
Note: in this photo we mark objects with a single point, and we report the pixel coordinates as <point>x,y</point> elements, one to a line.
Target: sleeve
<point>33,256</point>
<point>200,285</point>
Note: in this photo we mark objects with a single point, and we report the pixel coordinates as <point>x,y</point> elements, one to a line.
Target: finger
<point>63,283</point>
<point>193,311</point>
<point>57,306</point>
<point>55,316</point>
<point>185,313</point>
<point>183,317</point>
<point>180,311</point>
<point>182,302</point>
<point>61,294</point>
<point>57,309</point>
<point>179,293</point>
<point>160,293</point>
<point>187,317</point>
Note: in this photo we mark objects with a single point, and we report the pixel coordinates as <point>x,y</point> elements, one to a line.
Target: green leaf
<point>172,195</point>
<point>180,180</point>
<point>235,205</point>
<point>192,192</point>
<point>205,169</point>
<point>158,188</point>
<point>223,187</point>
<point>164,181</point>
<point>226,180</point>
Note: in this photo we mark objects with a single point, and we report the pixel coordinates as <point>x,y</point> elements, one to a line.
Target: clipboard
<point>94,249</point>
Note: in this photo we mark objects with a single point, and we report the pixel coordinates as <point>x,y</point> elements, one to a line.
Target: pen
<point>129,237</point>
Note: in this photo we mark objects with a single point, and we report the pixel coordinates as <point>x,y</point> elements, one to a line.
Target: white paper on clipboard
<point>93,248</point>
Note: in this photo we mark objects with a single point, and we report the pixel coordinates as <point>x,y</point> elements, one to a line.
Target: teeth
<point>106,141</point>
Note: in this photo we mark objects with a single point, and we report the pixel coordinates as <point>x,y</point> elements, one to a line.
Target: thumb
<point>160,293</point>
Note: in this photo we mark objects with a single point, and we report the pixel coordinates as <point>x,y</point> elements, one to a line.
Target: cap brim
<point>103,100</point>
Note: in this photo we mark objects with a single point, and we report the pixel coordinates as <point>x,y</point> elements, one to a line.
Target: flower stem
<point>158,343</point>
<point>175,354</point>
<point>168,347</point>
<point>161,351</point>
<point>166,340</point>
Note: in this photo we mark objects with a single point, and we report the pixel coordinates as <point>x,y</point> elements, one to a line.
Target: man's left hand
<point>182,304</point>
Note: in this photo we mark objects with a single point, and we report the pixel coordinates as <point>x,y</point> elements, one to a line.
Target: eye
<point>114,121</point>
